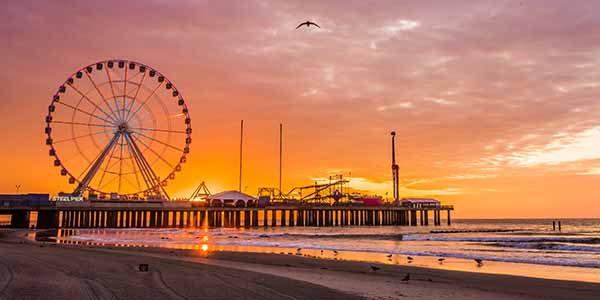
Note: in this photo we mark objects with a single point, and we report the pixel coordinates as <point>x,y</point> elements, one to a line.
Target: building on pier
<point>420,202</point>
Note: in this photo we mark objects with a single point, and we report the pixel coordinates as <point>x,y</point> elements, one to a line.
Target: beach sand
<point>32,270</point>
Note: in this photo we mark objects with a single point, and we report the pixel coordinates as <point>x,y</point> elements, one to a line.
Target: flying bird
<point>441,259</point>
<point>409,258</point>
<point>299,249</point>
<point>308,23</point>
<point>407,277</point>
<point>389,255</point>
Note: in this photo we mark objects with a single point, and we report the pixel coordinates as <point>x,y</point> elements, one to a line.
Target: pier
<point>181,214</point>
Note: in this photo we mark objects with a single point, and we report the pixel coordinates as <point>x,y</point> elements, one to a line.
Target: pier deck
<point>174,214</point>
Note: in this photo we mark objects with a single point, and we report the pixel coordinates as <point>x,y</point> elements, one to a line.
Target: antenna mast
<point>241,145</point>
<point>395,168</point>
<point>280,154</point>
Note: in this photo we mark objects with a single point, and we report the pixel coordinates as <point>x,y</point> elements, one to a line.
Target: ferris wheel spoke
<point>91,162</point>
<point>84,112</point>
<point>124,93</point>
<point>93,169</point>
<point>82,124</point>
<point>146,176</point>
<point>145,101</point>
<point>152,181</point>
<point>101,187</point>
<point>125,179</point>
<point>117,173</point>
<point>100,93</point>
<point>82,136</point>
<point>112,89</point>
<point>135,96</point>
<point>107,165</point>
<point>148,179</point>
<point>159,187</point>
<point>91,102</point>
<point>158,130</point>
<point>158,141</point>
<point>133,164</point>
<point>154,152</point>
<point>120,163</point>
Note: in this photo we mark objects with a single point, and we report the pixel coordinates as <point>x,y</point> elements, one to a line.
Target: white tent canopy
<point>231,197</point>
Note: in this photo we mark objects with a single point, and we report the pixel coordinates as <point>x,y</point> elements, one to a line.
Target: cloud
<point>565,147</point>
<point>472,176</point>
<point>466,93</point>
<point>401,105</point>
<point>441,101</point>
<point>398,26</point>
<point>391,30</point>
<point>592,171</point>
<point>310,92</point>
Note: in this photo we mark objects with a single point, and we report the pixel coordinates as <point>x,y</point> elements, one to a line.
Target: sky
<point>495,103</point>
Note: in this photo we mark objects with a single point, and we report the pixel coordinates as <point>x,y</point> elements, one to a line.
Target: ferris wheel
<point>118,126</point>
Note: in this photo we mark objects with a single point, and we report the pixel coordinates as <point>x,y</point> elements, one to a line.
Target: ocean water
<point>521,247</point>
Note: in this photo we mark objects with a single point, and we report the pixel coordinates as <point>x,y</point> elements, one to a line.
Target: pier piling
<point>119,216</point>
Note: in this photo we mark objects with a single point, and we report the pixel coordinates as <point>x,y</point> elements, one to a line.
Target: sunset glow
<point>497,121</point>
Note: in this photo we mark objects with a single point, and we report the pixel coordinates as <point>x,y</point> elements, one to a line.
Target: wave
<point>286,235</point>
<point>267,243</point>
<point>570,239</point>
<point>547,246</point>
<point>391,237</point>
<point>461,255</point>
<point>495,239</point>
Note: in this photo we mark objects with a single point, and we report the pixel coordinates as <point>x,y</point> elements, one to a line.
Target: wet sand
<point>28,271</point>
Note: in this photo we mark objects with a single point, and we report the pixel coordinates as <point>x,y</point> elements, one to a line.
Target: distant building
<point>24,199</point>
<point>419,202</point>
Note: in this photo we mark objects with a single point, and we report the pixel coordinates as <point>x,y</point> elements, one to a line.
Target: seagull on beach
<point>407,277</point>
<point>390,255</point>
<point>335,252</point>
<point>307,24</point>
<point>479,262</point>
<point>441,259</point>
<point>410,259</point>
<point>299,249</point>
<point>374,268</point>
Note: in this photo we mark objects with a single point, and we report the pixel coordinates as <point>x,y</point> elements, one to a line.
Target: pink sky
<point>495,102</point>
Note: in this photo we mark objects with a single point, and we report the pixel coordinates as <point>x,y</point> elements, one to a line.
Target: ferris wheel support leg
<point>152,181</point>
<point>137,162</point>
<point>83,184</point>
<point>140,163</point>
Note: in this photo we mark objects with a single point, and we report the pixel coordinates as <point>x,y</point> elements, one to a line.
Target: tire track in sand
<point>93,288</point>
<point>10,277</point>
<point>160,281</point>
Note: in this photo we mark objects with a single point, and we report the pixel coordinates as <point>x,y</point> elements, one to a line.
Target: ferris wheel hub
<point>123,127</point>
